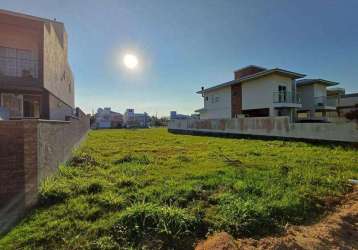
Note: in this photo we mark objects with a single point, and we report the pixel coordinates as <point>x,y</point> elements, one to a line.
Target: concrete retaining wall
<point>277,127</point>
<point>31,150</point>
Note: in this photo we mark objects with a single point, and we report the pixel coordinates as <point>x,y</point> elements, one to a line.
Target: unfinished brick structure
<point>31,150</point>
<point>36,80</point>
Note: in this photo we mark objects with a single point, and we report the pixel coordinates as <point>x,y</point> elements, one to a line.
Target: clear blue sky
<point>183,45</point>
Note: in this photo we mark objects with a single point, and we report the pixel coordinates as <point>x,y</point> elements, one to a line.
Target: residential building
<point>132,119</point>
<point>318,103</point>
<point>106,118</point>
<point>35,77</point>
<point>348,103</point>
<point>255,91</point>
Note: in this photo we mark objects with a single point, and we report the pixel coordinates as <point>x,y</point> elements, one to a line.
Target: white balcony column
<point>272,112</point>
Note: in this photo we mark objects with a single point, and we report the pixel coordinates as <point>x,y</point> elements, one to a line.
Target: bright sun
<point>130,61</point>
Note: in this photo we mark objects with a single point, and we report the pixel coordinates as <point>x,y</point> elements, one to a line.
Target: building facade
<point>106,118</point>
<point>348,103</point>
<point>255,92</point>
<point>35,77</point>
<point>318,102</point>
<point>135,120</point>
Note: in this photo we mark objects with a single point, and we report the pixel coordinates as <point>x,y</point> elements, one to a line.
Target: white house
<point>132,119</point>
<point>318,102</point>
<point>106,118</point>
<point>255,91</point>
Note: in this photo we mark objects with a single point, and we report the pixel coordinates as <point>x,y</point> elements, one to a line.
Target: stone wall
<point>31,150</point>
<point>276,127</point>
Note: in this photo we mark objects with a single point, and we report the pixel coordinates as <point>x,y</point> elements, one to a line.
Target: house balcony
<point>286,99</point>
<point>325,102</point>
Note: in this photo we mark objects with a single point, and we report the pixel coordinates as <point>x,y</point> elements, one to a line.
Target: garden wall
<point>31,150</point>
<point>269,127</point>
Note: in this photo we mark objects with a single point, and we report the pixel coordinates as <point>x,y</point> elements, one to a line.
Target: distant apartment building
<point>35,77</point>
<point>106,118</point>
<point>132,119</point>
<point>254,92</point>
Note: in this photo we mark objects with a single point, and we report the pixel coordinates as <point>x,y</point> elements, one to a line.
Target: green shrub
<point>140,221</point>
<point>108,200</point>
<point>82,159</point>
<point>53,191</point>
<point>129,158</point>
<point>94,188</point>
<point>105,243</point>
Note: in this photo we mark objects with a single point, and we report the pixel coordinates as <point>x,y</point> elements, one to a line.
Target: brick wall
<point>247,71</point>
<point>236,100</point>
<point>31,150</point>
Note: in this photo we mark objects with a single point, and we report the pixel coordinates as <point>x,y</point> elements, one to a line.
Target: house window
<point>282,93</point>
<point>14,103</point>
<point>69,87</point>
<point>217,99</point>
<point>206,98</point>
<point>17,62</point>
<point>32,106</point>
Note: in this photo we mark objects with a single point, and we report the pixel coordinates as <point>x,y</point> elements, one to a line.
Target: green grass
<point>148,188</point>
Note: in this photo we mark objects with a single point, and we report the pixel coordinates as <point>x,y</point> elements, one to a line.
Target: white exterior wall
<point>218,105</point>
<point>271,126</point>
<point>306,92</point>
<point>258,93</point>
<point>309,93</point>
<point>319,90</point>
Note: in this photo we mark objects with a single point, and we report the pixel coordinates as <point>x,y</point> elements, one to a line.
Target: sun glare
<point>130,61</point>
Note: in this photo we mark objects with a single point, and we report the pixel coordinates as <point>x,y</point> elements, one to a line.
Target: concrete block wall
<point>18,172</point>
<point>56,140</point>
<point>31,150</point>
<point>278,127</point>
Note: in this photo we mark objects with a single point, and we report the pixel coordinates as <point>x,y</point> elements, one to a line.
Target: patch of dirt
<point>338,230</point>
<point>222,241</point>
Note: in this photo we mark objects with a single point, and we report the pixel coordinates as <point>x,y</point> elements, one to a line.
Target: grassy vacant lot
<point>137,188</point>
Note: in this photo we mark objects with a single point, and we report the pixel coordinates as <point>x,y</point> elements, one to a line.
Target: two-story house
<point>132,119</point>
<point>318,103</point>
<point>35,78</point>
<point>255,91</point>
<point>106,118</point>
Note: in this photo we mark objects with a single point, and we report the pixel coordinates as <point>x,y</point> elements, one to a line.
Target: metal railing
<point>322,101</point>
<point>286,97</point>
<point>18,67</point>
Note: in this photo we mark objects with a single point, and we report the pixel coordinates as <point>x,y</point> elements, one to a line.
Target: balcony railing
<point>286,97</point>
<point>322,101</point>
<point>18,67</point>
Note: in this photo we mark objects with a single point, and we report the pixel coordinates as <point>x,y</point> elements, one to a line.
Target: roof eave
<point>314,81</point>
<point>293,75</point>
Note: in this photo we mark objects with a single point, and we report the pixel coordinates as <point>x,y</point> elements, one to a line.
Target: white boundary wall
<point>270,127</point>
